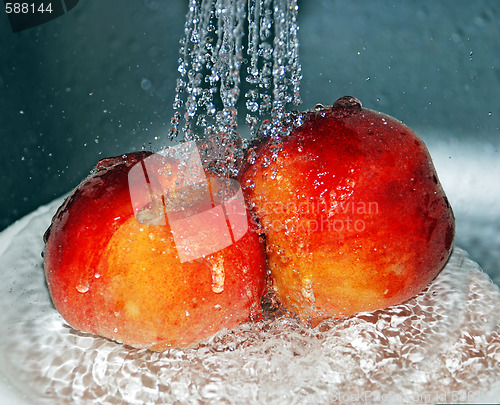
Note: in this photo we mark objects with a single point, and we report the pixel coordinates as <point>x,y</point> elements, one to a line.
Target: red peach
<point>113,276</point>
<point>354,215</point>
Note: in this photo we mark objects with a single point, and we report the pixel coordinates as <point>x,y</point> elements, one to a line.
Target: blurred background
<point>100,81</point>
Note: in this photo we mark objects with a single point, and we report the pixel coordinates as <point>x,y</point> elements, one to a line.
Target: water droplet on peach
<point>348,102</point>
<point>82,288</point>
<point>218,275</point>
<point>284,259</point>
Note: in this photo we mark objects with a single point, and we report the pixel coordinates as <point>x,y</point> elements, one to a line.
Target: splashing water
<point>212,54</point>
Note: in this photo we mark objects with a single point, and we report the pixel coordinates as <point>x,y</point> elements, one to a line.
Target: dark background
<point>71,93</point>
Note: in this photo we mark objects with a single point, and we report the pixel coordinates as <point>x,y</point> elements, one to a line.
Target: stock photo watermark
<point>321,215</point>
<point>205,214</point>
<point>28,14</point>
<point>423,397</point>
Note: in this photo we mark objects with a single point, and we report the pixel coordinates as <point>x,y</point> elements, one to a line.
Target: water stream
<point>228,46</point>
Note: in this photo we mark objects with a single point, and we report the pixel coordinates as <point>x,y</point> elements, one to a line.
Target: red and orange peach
<point>354,215</point>
<point>112,275</point>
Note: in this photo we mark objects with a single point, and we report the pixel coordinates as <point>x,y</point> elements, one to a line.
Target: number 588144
<point>28,8</point>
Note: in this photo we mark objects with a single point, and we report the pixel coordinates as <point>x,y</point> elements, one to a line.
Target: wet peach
<point>354,215</point>
<point>114,276</point>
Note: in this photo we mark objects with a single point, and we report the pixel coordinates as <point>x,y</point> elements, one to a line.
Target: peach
<point>354,216</point>
<point>112,275</point>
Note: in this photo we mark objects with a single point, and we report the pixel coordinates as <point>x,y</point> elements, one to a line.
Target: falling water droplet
<point>252,106</point>
<point>212,53</point>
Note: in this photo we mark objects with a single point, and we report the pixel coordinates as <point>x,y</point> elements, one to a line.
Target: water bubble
<point>146,84</point>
